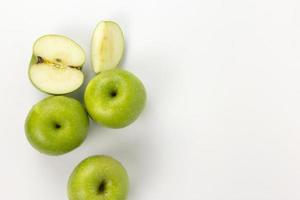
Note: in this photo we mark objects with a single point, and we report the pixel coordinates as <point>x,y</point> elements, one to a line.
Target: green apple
<point>56,125</point>
<point>115,98</point>
<point>98,178</point>
<point>56,64</point>
<point>107,46</point>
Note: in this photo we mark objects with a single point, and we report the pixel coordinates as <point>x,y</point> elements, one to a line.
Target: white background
<point>223,111</point>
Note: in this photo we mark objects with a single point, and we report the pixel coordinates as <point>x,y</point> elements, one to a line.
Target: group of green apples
<point>113,98</point>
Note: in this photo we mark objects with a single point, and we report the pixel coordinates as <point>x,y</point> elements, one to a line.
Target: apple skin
<point>115,98</point>
<point>56,125</point>
<point>98,177</point>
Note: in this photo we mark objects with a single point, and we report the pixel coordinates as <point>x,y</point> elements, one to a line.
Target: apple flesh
<point>56,125</point>
<point>107,46</point>
<point>115,98</point>
<point>56,64</point>
<point>98,178</point>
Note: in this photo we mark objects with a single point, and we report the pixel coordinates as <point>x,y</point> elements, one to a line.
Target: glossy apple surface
<point>115,98</point>
<point>98,178</point>
<point>56,125</point>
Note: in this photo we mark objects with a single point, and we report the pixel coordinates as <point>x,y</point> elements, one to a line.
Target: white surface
<point>223,110</point>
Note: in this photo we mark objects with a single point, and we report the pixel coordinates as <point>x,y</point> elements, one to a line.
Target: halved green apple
<point>107,46</point>
<point>56,64</point>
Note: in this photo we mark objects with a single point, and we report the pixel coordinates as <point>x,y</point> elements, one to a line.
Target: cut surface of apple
<point>107,46</point>
<point>56,64</point>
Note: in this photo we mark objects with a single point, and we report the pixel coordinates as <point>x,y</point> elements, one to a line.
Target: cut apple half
<point>107,46</point>
<point>56,64</point>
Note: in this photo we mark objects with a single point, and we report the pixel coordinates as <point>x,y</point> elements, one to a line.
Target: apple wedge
<point>56,64</point>
<point>107,46</point>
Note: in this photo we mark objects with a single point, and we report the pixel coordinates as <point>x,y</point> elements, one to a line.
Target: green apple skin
<point>115,98</point>
<point>98,178</point>
<point>56,125</point>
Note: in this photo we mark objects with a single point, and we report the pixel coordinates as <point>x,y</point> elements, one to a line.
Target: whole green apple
<point>56,125</point>
<point>115,98</point>
<point>98,178</point>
